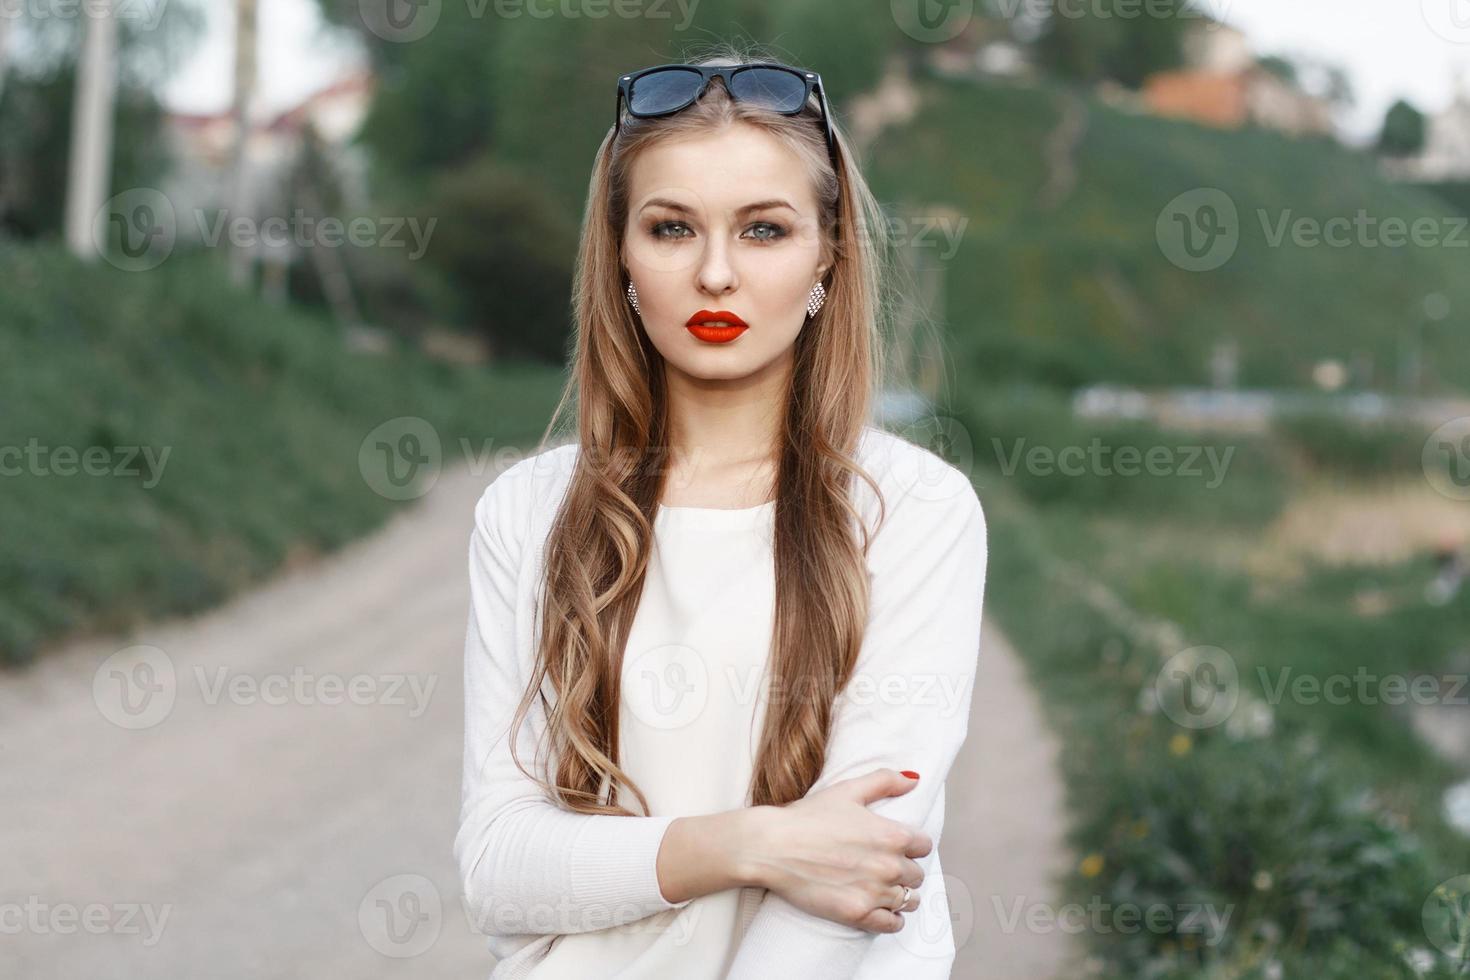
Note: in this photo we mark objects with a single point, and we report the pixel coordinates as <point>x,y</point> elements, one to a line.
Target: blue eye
<point>776,231</point>
<point>658,230</point>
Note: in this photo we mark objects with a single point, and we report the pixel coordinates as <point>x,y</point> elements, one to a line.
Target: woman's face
<point>706,234</point>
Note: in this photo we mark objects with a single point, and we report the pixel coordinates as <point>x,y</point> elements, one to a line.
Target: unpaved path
<point>297,821</point>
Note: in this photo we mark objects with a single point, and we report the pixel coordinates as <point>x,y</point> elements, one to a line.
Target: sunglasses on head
<point>666,89</point>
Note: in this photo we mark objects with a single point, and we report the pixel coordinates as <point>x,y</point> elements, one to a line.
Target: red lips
<point>718,316</point>
<point>702,325</point>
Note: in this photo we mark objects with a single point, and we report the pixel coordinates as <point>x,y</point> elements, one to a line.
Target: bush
<point>504,250</point>
<point>1342,445</point>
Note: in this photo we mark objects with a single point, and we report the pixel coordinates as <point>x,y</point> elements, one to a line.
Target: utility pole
<point>240,203</point>
<point>89,169</point>
<point>4,26</point>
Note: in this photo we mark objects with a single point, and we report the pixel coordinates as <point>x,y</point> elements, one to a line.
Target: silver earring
<point>814,301</point>
<point>633,297</point>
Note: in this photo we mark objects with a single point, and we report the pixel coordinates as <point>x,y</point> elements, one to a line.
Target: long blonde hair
<point>597,551</point>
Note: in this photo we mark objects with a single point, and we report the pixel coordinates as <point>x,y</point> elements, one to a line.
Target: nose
<point>716,274</point>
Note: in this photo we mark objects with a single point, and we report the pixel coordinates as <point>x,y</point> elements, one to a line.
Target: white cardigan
<point>562,894</point>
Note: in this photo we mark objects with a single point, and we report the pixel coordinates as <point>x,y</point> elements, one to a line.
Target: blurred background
<point>284,283</point>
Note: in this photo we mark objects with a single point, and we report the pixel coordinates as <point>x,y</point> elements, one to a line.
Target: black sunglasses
<point>665,89</point>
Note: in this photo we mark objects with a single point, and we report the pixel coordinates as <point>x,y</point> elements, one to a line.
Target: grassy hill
<point>167,438</point>
<point>1083,291</point>
<point>1317,824</point>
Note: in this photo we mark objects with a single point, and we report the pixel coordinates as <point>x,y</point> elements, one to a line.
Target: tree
<point>40,92</point>
<point>1090,45</point>
<point>1403,131</point>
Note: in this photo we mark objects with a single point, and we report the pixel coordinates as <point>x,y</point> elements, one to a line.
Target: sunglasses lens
<point>663,91</point>
<point>774,88</point>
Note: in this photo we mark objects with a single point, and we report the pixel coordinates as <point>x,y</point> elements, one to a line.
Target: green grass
<point>1085,293</point>
<point>261,410</point>
<point>1323,836</point>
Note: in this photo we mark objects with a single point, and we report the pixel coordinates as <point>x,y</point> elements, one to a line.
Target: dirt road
<point>270,790</point>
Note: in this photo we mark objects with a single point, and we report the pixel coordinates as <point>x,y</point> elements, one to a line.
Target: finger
<point>912,875</point>
<point>882,920</point>
<point>882,783</point>
<point>920,846</point>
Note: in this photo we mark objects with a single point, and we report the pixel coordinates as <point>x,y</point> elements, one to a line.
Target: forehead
<point>718,172</point>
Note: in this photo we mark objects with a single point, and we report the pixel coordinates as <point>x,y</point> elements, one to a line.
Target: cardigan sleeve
<point>928,579</point>
<point>528,865</point>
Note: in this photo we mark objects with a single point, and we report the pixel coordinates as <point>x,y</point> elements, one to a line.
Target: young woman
<point>730,608</point>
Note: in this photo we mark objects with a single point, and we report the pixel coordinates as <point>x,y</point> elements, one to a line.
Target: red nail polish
<point>909,773</point>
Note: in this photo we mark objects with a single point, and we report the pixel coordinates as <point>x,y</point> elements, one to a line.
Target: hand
<point>831,856</point>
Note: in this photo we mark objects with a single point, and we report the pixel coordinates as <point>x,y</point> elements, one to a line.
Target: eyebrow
<point>672,205</point>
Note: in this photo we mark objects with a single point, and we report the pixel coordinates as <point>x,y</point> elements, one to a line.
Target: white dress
<point>693,701</point>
